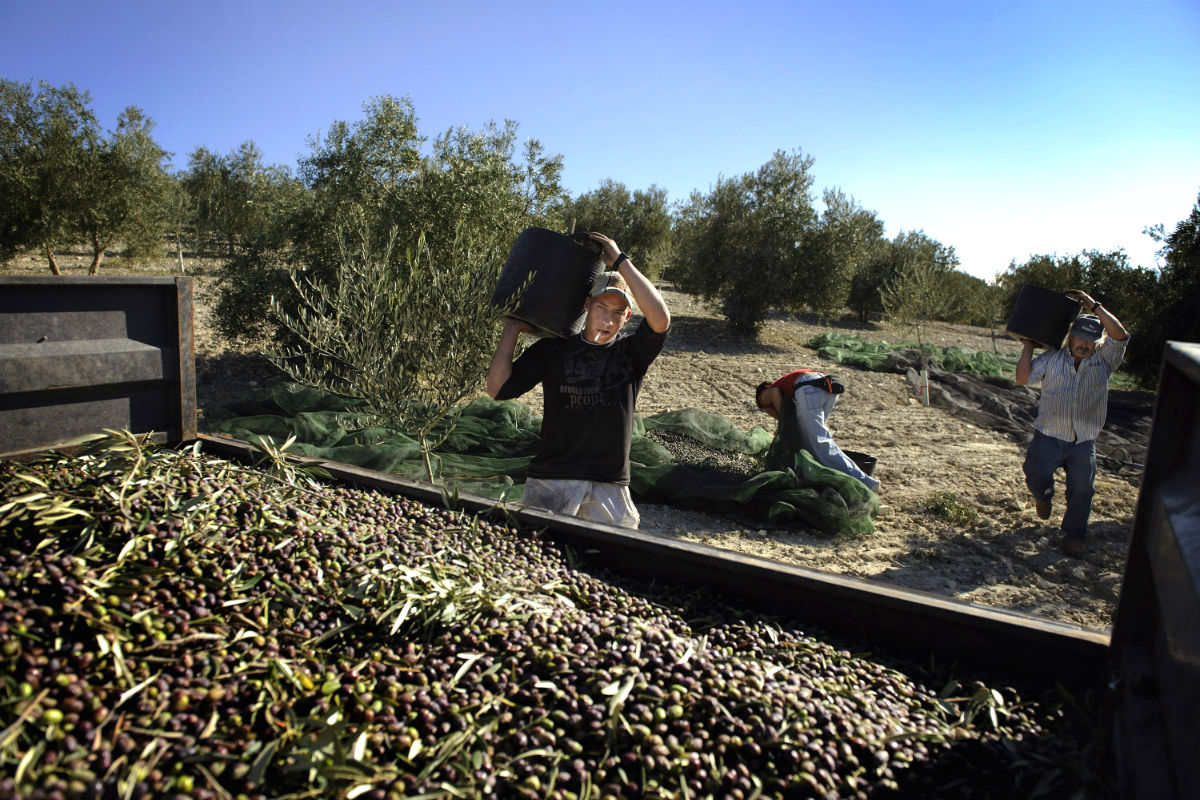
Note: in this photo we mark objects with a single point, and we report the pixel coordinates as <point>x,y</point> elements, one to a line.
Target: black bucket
<point>865,462</point>
<point>564,270</point>
<point>1041,316</point>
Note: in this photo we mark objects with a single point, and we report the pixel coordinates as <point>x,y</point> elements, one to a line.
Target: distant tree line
<point>64,180</point>
<point>379,190</point>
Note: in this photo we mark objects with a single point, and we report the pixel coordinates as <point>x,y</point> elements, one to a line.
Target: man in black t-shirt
<point>590,384</point>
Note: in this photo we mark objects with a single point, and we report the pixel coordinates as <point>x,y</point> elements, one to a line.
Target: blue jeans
<point>1078,459</point>
<point>813,407</point>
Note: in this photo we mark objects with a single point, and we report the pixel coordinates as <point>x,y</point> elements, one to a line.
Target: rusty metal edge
<point>88,280</point>
<point>184,398</point>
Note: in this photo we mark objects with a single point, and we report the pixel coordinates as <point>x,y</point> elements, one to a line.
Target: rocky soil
<point>956,519</point>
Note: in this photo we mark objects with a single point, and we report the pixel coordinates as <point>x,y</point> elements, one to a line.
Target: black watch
<point>617,261</point>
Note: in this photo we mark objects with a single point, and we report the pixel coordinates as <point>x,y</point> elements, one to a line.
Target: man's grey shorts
<point>609,503</point>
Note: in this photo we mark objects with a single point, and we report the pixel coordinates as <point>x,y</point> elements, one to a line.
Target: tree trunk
<point>50,258</point>
<point>97,255</point>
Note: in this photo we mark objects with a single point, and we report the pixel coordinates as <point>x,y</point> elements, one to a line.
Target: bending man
<point>814,395</point>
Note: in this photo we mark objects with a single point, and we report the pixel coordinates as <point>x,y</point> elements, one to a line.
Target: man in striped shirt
<point>1071,411</point>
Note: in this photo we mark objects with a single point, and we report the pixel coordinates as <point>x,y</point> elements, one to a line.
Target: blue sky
<point>1001,129</point>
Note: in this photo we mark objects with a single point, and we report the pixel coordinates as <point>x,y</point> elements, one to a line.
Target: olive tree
<point>913,284</point>
<point>354,170</point>
<point>203,183</point>
<point>969,300</point>
<point>64,181</point>
<point>639,220</point>
<point>1170,311</point>
<point>740,243</point>
<point>411,337</point>
<point>346,178</point>
<point>844,241</point>
<point>45,137</point>
<point>915,278</point>
<point>470,185</point>
<point>385,291</point>
<point>127,190</point>
<point>919,280</point>
<point>1114,281</point>
<point>473,182</point>
<point>237,199</point>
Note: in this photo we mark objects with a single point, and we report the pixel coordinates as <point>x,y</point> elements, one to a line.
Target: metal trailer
<point>78,355</point>
<point>121,356</point>
<point>1155,648</point>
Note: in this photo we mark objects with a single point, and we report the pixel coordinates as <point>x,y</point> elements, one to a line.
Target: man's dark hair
<point>758,393</point>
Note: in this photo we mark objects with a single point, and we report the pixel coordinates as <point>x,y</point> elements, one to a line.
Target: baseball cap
<point>611,282</point>
<point>1087,326</point>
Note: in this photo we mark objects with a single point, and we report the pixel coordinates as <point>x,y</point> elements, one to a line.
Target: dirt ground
<point>1006,557</point>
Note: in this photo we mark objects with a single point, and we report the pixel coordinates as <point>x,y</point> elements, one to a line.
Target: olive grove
<point>64,181</point>
<point>754,244</point>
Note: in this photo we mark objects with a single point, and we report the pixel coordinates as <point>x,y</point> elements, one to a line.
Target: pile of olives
<point>178,625</point>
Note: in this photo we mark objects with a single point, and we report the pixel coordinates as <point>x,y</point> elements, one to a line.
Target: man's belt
<point>829,383</point>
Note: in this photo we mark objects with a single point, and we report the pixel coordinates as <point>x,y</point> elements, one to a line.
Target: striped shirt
<point>1074,402</point>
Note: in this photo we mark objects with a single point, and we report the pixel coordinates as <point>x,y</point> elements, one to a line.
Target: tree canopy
<point>1170,308</point>
<point>382,289</point>
<point>65,181</point>
<point>740,243</point>
<point>639,220</point>
<point>126,186</point>
<point>847,238</point>
<point>237,200</point>
<point>45,137</point>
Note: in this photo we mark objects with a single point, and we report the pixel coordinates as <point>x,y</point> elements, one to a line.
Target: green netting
<point>710,429</point>
<point>489,448</point>
<point>880,356</point>
<point>854,350</point>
